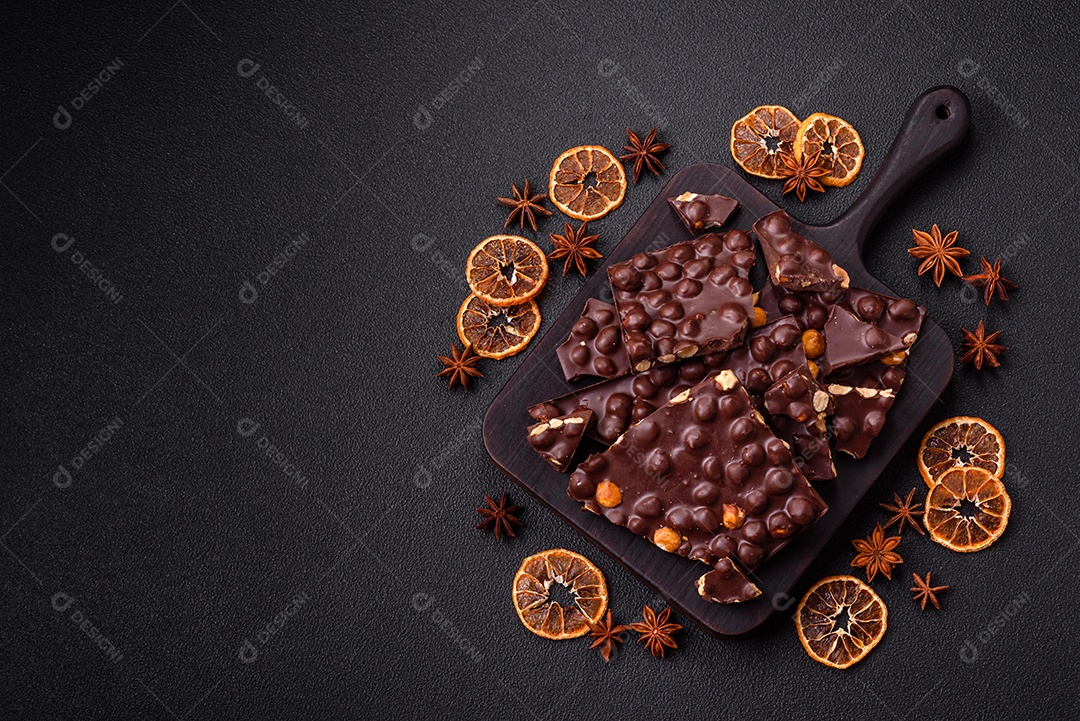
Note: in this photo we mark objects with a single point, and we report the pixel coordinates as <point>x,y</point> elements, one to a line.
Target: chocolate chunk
<point>860,415</point>
<point>699,212</point>
<point>798,405</point>
<point>692,298</point>
<point>795,262</point>
<point>726,584</point>
<point>619,402</point>
<point>811,310</point>
<point>557,439</point>
<point>874,374</point>
<point>703,477</point>
<point>899,316</point>
<point>595,346</point>
<point>770,352</point>
<point>851,342</point>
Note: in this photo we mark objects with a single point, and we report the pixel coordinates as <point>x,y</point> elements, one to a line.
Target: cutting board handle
<point>935,123</point>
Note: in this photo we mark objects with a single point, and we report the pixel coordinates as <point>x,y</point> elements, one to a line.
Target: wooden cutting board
<point>936,123</point>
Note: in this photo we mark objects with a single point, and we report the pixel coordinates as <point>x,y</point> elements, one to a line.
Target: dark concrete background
<point>199,573</point>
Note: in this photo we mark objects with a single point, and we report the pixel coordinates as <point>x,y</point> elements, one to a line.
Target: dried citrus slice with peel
<point>967,509</point>
<point>497,331</point>
<point>839,620</point>
<point>840,147</point>
<point>506,269</point>
<point>961,441</point>
<point>545,616</point>
<point>761,137</point>
<point>587,182</point>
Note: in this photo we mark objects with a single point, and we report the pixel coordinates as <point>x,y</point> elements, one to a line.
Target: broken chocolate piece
<point>770,352</point>
<point>851,342</point>
<point>692,298</point>
<point>703,477</point>
<point>795,262</point>
<point>860,415</point>
<point>811,310</point>
<point>700,212</point>
<point>595,346</point>
<point>726,584</point>
<point>899,316</point>
<point>557,439</point>
<point>798,405</point>
<point>621,401</point>
<point>875,374</point>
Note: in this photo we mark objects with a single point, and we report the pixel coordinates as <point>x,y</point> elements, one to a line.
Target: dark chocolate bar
<point>798,405</point>
<point>595,346</point>
<point>859,417</point>
<point>726,584</point>
<point>811,310</point>
<point>703,477</point>
<point>851,342</point>
<point>899,316</point>
<point>875,374</point>
<point>795,262</point>
<point>770,352</point>
<point>557,439</point>
<point>692,298</point>
<point>619,402</point>
<point>701,212</point>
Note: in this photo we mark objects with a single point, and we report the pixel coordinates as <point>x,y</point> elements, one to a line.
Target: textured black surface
<point>179,180</point>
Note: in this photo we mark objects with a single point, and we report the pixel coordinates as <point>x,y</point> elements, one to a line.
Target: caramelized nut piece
<point>813,343</point>
<point>759,317</point>
<point>894,359</point>
<point>733,516</point>
<point>608,494</point>
<point>813,367</point>
<point>668,539</point>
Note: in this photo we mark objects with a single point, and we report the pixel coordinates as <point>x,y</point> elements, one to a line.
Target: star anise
<point>937,253</point>
<point>644,153</point>
<point>904,511</point>
<point>499,517</point>
<point>991,282</point>
<point>802,174</point>
<point>575,246</point>
<point>606,636</point>
<point>980,348</point>
<point>924,593</point>
<point>461,367</point>
<point>876,554</point>
<point>524,206</point>
<point>656,633</point>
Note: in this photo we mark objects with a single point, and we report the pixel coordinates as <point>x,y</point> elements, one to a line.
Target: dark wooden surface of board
<point>936,123</point>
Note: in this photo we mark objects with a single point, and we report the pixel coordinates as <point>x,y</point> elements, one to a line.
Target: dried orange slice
<point>587,182</point>
<point>497,331</point>
<point>967,509</point>
<point>961,441</point>
<point>506,269</point>
<point>761,137</point>
<point>839,620</point>
<point>543,615</point>
<point>840,147</point>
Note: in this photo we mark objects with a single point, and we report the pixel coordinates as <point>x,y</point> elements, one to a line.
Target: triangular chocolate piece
<point>557,439</point>
<point>860,415</point>
<point>595,345</point>
<point>851,342</point>
<point>701,212</point>
<point>798,405</point>
<point>726,584</point>
<point>702,477</point>
<point>793,261</point>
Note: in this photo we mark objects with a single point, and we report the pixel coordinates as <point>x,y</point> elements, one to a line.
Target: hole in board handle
<point>943,112</point>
